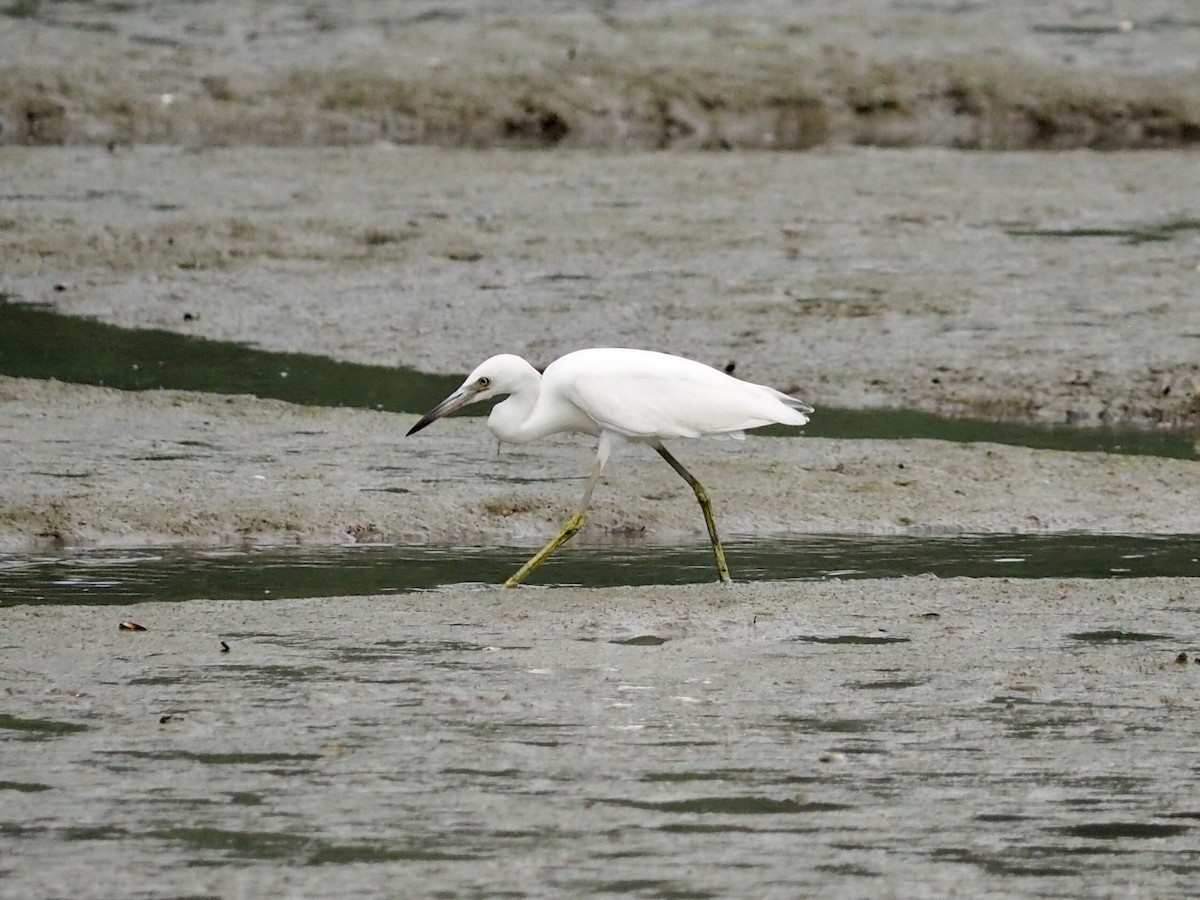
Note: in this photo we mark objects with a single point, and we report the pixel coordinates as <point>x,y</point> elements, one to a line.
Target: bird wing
<point>641,394</point>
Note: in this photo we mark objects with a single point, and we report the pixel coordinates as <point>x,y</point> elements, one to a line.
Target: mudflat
<point>896,737</point>
<point>981,210</point>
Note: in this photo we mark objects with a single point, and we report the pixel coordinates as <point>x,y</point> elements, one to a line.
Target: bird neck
<point>508,419</point>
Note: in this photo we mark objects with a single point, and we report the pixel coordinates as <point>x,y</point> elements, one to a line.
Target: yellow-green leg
<point>568,532</point>
<point>572,527</point>
<point>705,507</point>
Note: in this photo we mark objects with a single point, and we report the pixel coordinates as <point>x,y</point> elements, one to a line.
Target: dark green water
<point>267,573</point>
<point>38,343</point>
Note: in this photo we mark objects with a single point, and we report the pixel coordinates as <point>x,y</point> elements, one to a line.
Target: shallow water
<point>38,343</point>
<point>264,573</point>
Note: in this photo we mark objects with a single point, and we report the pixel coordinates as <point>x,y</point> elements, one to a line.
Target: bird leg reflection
<point>705,507</point>
<point>569,530</point>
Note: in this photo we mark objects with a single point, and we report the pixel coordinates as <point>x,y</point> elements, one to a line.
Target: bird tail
<point>798,405</point>
<point>801,408</point>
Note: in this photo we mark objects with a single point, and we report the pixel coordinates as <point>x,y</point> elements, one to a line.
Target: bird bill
<point>455,401</point>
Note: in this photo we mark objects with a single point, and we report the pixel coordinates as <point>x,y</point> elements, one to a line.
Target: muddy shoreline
<point>93,467</point>
<point>1025,287</point>
<point>678,75</point>
<point>1044,287</point>
<point>263,173</point>
<point>896,737</point>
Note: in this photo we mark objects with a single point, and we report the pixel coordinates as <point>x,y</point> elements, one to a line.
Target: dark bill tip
<point>424,423</point>
<point>455,401</point>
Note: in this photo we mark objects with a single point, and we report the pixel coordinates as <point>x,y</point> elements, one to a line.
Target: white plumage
<point>612,393</point>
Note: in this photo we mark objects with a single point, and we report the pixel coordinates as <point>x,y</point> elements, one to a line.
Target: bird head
<point>493,377</point>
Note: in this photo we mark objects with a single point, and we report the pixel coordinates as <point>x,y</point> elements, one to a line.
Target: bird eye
<point>483,383</point>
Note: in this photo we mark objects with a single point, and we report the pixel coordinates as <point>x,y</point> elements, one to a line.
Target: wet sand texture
<point>1046,287</point>
<point>96,467</point>
<point>886,738</point>
<point>903,737</point>
<point>1055,287</point>
<point>627,76</point>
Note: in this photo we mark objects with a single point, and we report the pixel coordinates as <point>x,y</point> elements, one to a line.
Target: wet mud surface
<point>1045,287</point>
<point>676,75</point>
<point>356,181</point>
<point>1039,286</point>
<point>91,466</point>
<point>891,738</point>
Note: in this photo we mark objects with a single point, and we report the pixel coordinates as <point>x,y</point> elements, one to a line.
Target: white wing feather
<point>642,394</point>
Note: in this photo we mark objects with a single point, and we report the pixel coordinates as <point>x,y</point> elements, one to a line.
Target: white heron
<point>636,395</point>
